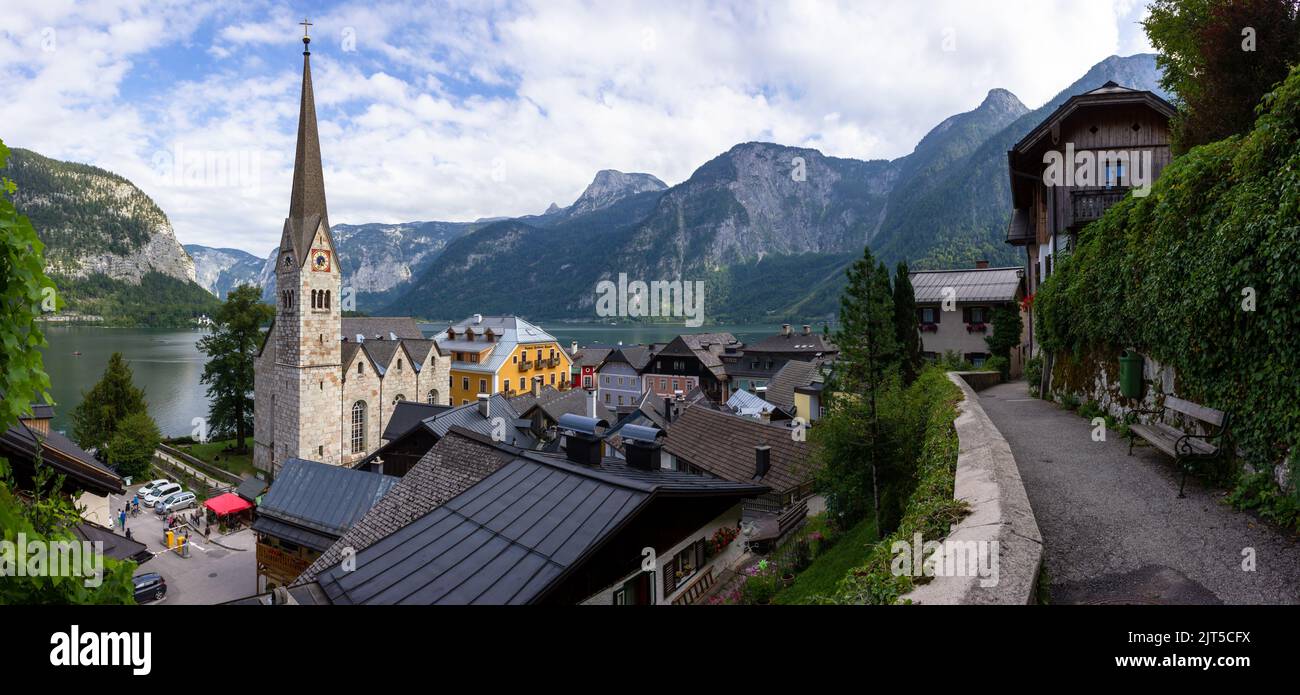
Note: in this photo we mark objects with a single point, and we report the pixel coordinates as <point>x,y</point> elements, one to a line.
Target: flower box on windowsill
<point>929,328</point>
<point>976,327</point>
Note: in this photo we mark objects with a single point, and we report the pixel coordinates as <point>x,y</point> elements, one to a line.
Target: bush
<point>930,508</point>
<point>1001,365</point>
<point>761,584</point>
<point>1034,374</point>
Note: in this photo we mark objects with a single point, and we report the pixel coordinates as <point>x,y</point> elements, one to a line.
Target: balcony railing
<point>525,365</point>
<point>1091,204</point>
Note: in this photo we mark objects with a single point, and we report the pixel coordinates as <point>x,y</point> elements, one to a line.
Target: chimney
<point>785,329</point>
<point>765,416</point>
<point>981,264</point>
<point>582,440</point>
<point>361,337</point>
<point>761,392</point>
<point>807,330</point>
<point>378,465</point>
<point>573,348</point>
<point>762,460</point>
<point>537,387</point>
<point>484,405</point>
<point>478,318</point>
<point>643,456</point>
<point>668,408</point>
<point>591,403</point>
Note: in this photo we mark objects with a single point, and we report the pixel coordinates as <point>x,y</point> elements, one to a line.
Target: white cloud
<point>457,111</point>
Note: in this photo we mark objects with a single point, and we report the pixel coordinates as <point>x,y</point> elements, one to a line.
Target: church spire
<point>308,196</point>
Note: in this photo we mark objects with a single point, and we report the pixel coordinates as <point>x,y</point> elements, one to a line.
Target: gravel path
<point>1113,527</point>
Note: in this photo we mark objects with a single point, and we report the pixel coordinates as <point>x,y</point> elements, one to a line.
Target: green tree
<point>25,291</point>
<point>854,450</point>
<point>1008,324</point>
<point>43,513</point>
<point>1219,59</point>
<point>907,330</point>
<point>130,451</point>
<point>231,349</point>
<point>102,409</point>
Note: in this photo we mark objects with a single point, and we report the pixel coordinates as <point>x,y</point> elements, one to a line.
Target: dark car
<point>149,586</point>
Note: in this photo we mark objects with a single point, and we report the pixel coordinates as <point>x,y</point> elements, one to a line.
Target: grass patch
<point>216,454</point>
<point>824,575</point>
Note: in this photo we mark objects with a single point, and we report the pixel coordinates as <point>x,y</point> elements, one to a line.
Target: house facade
<point>618,376</point>
<point>1086,156</point>
<point>689,361</point>
<point>501,354</point>
<point>955,311</point>
<point>760,362</point>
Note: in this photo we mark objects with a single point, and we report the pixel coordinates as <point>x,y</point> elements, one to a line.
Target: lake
<point>167,363</point>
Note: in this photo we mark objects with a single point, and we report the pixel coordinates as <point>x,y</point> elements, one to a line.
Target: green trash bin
<point>1130,374</point>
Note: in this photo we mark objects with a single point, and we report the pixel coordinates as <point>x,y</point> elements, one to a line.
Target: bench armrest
<point>1182,447</point>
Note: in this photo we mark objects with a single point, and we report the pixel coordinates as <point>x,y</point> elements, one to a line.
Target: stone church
<point>325,386</point>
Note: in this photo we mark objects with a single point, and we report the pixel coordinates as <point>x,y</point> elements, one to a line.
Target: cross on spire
<point>306,40</point>
<point>305,25</point>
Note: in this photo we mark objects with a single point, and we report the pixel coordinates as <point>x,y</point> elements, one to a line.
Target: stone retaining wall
<point>988,479</point>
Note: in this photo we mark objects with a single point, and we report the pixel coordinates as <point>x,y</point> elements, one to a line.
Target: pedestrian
<point>128,534</point>
<point>121,517</point>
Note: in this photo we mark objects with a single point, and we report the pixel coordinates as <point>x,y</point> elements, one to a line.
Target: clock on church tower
<point>320,260</point>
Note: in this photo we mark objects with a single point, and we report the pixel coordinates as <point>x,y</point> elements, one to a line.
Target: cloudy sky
<point>459,110</point>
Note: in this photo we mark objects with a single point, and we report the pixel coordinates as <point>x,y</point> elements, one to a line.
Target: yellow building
<point>491,354</point>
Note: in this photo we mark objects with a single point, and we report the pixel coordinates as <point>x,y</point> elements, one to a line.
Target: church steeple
<point>307,201</point>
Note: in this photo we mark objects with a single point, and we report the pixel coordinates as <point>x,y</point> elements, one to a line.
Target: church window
<point>327,299</point>
<point>399,363</point>
<point>360,368</point>
<point>358,427</point>
<point>313,299</point>
<point>432,398</point>
<point>398,397</point>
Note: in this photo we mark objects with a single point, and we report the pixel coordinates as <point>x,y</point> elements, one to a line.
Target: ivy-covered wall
<point>1200,276</point>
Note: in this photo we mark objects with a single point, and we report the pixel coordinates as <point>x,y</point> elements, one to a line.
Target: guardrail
<point>201,465</point>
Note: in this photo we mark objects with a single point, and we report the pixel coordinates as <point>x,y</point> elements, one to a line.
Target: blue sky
<point>460,110</point>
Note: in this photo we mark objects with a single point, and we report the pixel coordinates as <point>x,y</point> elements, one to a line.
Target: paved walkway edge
<point>989,480</point>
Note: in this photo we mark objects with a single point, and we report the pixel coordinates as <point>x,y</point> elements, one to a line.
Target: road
<point>1114,529</point>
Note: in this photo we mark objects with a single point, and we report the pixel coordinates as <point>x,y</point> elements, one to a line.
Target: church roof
<point>307,200</point>
<point>381,327</point>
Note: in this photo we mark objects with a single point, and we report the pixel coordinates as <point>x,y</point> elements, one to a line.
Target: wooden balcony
<point>1090,204</point>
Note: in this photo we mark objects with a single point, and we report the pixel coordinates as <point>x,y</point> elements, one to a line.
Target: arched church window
<point>327,299</point>
<point>359,427</point>
<point>313,299</point>
<point>397,398</point>
<point>432,397</point>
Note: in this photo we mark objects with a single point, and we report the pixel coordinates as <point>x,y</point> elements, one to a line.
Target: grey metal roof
<point>322,498</point>
<point>508,332</point>
<point>747,403</point>
<point>972,285</point>
<point>250,488</point>
<point>796,341</point>
<point>467,416</point>
<point>513,535</point>
<point>447,469</point>
<point>294,534</point>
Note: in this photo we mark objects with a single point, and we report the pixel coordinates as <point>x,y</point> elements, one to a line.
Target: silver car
<point>175,502</point>
<point>159,493</point>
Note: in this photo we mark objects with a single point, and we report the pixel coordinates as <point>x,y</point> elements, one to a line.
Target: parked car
<point>174,502</point>
<point>159,493</point>
<point>149,586</point>
<point>151,486</point>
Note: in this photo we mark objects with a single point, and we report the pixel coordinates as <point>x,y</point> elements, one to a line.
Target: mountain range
<point>768,228</point>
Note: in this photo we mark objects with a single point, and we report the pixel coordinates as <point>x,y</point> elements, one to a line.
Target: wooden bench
<point>1189,451</point>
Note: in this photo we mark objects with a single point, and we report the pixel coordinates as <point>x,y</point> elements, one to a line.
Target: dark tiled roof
<point>407,415</point>
<point>454,464</point>
<point>115,546</point>
<point>525,401</point>
<point>573,401</point>
<point>512,536</point>
<point>348,352</point>
<point>591,356</point>
<point>322,498</point>
<point>812,343</point>
<point>294,534</point>
<point>42,411</point>
<point>20,445</point>
<point>635,356</point>
<point>723,444</point>
<point>371,326</point>
<point>795,373</point>
<point>381,352</point>
<point>419,350</point>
